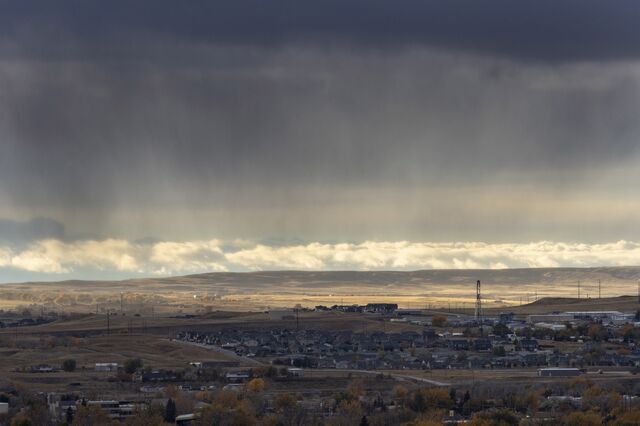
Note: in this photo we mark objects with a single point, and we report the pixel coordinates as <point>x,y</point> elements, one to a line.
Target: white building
<point>106,366</point>
<point>558,372</point>
<point>295,372</point>
<point>550,326</point>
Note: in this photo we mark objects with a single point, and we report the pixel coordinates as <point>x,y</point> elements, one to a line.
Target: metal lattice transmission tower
<point>478,302</point>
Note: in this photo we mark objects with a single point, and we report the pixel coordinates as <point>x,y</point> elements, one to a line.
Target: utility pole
<point>478,313</point>
<point>599,288</point>
<point>108,324</point>
<point>578,289</point>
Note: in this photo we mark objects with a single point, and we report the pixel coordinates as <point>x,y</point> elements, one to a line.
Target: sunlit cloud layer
<point>167,258</point>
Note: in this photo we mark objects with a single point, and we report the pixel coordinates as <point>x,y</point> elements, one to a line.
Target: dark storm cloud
<point>82,130</point>
<point>540,30</point>
<point>337,118</point>
<point>27,231</point>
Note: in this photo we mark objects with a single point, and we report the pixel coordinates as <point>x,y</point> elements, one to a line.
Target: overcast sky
<point>159,137</point>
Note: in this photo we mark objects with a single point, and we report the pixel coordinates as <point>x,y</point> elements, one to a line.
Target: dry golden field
<point>260,291</point>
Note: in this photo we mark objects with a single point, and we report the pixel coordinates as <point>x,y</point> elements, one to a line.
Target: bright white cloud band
<point>165,258</point>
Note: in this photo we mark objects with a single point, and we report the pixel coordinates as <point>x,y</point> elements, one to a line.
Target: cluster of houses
<point>64,406</point>
<point>380,308</point>
<point>558,320</point>
<point>474,345</point>
<point>24,322</point>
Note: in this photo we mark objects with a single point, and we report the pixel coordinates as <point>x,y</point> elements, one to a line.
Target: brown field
<point>566,304</point>
<point>154,350</point>
<point>30,350</point>
<point>91,324</point>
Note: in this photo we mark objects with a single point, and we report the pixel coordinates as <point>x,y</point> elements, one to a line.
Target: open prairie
<point>451,289</point>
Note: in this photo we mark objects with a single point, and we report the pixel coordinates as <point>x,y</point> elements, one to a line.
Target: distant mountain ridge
<point>442,276</point>
<point>316,280</point>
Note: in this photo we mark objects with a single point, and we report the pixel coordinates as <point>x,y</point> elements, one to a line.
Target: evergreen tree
<point>170,411</point>
<point>69,415</point>
<point>465,399</point>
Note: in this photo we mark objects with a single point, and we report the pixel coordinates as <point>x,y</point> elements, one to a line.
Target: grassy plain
<point>450,289</point>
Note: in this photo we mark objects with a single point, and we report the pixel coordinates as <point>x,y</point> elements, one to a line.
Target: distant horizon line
<point>328,271</point>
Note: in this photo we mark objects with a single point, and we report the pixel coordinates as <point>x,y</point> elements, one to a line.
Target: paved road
<point>421,379</point>
<point>392,374</point>
<point>221,351</point>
